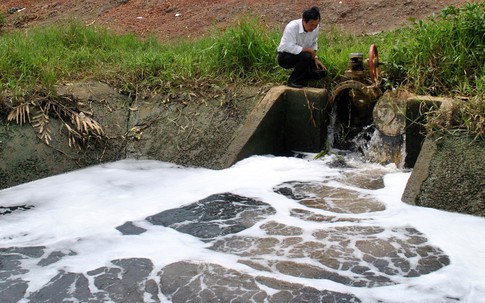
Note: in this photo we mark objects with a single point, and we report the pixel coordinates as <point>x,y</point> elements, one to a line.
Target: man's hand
<point>319,64</point>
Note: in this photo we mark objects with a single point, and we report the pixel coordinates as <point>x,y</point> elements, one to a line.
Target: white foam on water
<point>79,212</point>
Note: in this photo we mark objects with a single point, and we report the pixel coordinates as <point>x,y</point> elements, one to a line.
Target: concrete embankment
<point>203,132</point>
<point>216,133</point>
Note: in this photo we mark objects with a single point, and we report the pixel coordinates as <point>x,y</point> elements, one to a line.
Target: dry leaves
<point>80,126</point>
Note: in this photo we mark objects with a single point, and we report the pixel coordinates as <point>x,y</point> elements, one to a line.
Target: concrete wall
<point>450,175</point>
<point>24,157</point>
<point>284,121</point>
<point>204,134</point>
<point>400,116</point>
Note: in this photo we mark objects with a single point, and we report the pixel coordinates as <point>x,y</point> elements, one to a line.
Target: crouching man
<point>298,49</point>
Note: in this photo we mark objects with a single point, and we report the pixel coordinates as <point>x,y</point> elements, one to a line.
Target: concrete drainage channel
<point>289,120</point>
<point>386,127</point>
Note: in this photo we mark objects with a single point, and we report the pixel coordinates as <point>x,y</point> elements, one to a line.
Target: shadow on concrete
<point>285,121</point>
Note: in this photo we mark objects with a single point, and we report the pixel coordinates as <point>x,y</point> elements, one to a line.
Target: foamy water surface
<point>77,214</point>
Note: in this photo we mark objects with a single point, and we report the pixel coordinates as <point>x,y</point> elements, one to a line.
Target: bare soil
<point>173,19</point>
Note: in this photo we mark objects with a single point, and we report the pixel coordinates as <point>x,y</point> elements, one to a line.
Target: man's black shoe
<point>294,85</point>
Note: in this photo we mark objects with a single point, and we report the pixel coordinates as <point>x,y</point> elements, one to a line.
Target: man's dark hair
<point>312,13</point>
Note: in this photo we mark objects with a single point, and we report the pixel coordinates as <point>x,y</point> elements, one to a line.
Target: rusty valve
<point>374,65</point>
<point>356,66</point>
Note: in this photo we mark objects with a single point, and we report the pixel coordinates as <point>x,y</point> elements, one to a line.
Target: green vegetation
<point>443,56</point>
<point>446,56</point>
<point>2,21</point>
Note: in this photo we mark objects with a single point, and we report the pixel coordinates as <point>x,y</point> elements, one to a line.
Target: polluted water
<point>267,229</point>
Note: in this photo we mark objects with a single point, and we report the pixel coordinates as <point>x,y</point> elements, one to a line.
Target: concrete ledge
<point>285,120</point>
<point>420,172</point>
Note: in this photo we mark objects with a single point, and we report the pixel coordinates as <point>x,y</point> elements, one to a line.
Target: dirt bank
<point>169,19</point>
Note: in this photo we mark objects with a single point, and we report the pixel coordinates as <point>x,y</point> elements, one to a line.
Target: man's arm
<point>309,50</point>
<point>288,41</point>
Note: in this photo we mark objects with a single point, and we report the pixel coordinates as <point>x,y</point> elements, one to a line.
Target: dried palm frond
<point>20,113</point>
<point>73,137</point>
<point>86,125</point>
<point>40,122</point>
<point>81,127</point>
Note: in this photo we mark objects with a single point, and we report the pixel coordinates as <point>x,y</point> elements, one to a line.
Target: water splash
<point>369,143</point>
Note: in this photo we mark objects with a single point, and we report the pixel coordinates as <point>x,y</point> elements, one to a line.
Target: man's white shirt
<point>295,38</point>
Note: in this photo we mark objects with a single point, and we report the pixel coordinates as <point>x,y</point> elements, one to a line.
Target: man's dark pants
<point>304,67</point>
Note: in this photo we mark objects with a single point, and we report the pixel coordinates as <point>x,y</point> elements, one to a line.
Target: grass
<point>42,57</point>
<point>444,55</point>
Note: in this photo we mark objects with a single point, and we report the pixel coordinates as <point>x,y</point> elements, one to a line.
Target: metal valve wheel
<point>374,64</point>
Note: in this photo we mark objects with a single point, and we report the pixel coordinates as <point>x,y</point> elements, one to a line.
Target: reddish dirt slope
<point>170,19</point>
